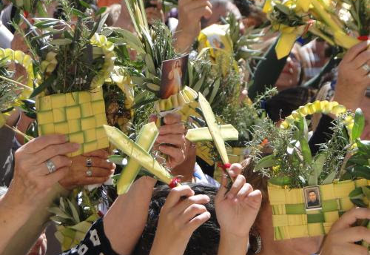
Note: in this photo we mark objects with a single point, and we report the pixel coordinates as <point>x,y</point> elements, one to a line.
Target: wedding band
<point>50,166</point>
<point>366,67</point>
<point>88,162</point>
<point>88,173</point>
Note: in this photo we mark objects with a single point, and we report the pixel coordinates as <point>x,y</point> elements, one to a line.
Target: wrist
<point>176,246</point>
<point>231,243</point>
<point>183,39</point>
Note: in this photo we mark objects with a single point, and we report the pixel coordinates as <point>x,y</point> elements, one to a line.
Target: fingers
<point>175,195</point>
<point>192,211</point>
<point>55,177</point>
<point>93,180</point>
<point>235,170</point>
<point>254,199</point>
<point>353,234</point>
<point>350,218</point>
<point>56,149</point>
<point>199,220</point>
<point>362,59</point>
<point>197,5</point>
<point>197,199</point>
<point>177,140</point>
<point>172,118</point>
<point>100,172</point>
<point>223,188</point>
<point>354,51</point>
<point>176,128</point>
<point>176,155</point>
<point>102,163</point>
<point>237,185</point>
<point>98,153</point>
<point>345,249</point>
<point>244,191</point>
<point>58,161</point>
<point>42,142</point>
<point>205,12</point>
<point>153,118</point>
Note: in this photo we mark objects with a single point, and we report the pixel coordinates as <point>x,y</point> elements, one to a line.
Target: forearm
<point>231,244</point>
<point>132,210</point>
<point>182,41</point>
<point>34,224</point>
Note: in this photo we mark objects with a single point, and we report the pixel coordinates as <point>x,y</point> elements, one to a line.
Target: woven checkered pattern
<point>80,115</point>
<point>292,220</point>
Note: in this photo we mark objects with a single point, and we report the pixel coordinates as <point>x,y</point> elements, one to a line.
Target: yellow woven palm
<point>292,220</point>
<point>80,115</point>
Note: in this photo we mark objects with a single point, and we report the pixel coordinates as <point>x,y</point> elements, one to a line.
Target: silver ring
<point>366,67</point>
<point>50,166</point>
<point>89,173</point>
<point>89,162</point>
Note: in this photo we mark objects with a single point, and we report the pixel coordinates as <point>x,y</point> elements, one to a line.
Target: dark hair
<point>205,239</point>
<point>281,105</point>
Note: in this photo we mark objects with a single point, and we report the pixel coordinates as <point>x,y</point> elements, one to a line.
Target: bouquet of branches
<point>342,23</point>
<point>72,62</point>
<point>309,192</point>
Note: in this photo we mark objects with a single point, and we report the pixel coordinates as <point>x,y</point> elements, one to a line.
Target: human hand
<point>353,76</point>
<point>171,140</point>
<point>180,216</point>
<point>237,208</point>
<point>80,174</point>
<point>154,13</point>
<point>32,178</point>
<point>342,236</point>
<point>190,15</point>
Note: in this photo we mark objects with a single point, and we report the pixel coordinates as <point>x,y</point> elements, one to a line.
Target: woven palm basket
<point>291,219</point>
<point>80,115</point>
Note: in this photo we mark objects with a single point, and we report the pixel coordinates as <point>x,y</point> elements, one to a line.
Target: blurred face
<point>289,77</point>
<point>312,196</point>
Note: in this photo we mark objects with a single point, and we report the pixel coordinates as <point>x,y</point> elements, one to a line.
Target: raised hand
<point>236,212</point>
<point>180,216</point>
<point>342,236</point>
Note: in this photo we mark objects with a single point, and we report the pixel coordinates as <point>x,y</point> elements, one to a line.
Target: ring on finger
<point>89,162</point>
<point>89,172</point>
<point>366,67</point>
<point>50,166</point>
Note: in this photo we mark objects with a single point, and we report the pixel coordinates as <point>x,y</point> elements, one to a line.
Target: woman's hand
<point>180,216</point>
<point>32,178</point>
<point>190,14</point>
<point>342,236</point>
<point>155,13</point>
<point>236,212</point>
<point>39,165</point>
<point>171,140</point>
<point>80,173</point>
<point>353,76</point>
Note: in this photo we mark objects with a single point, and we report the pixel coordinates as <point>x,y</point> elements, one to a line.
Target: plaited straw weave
<point>292,220</point>
<point>80,115</point>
